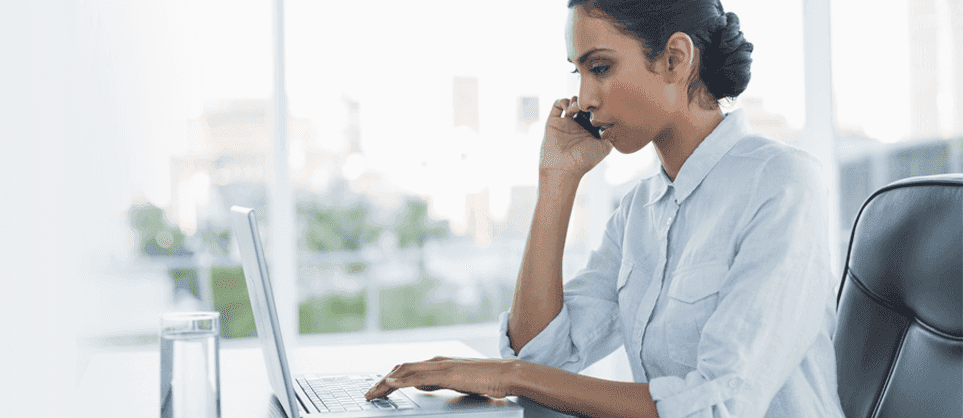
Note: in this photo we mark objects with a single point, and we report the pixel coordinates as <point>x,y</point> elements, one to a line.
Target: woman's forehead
<point>584,32</point>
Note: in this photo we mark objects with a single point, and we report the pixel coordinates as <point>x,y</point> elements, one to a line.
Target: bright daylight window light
<point>441,148</point>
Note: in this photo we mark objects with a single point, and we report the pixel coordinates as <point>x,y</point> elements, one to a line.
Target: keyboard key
<point>346,393</point>
<point>383,404</point>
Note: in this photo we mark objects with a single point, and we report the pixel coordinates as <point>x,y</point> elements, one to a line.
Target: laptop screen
<point>262,303</point>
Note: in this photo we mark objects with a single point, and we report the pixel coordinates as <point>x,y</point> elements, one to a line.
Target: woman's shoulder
<point>775,161</point>
<point>760,148</point>
<point>762,169</point>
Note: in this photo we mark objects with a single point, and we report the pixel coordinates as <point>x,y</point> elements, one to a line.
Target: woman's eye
<point>599,69</point>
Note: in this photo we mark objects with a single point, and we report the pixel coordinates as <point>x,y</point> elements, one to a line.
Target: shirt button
<point>734,382</point>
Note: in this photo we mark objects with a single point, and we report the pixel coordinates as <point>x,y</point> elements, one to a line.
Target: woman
<point>713,273</point>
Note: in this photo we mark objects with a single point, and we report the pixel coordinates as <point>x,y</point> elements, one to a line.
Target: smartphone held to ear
<point>584,119</point>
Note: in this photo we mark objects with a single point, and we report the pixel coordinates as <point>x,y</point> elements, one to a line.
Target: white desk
<point>127,384</point>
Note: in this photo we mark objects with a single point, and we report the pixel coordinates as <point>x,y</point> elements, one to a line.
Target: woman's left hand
<point>488,377</point>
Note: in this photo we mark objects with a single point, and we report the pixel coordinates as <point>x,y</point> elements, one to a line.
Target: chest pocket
<point>693,297</point>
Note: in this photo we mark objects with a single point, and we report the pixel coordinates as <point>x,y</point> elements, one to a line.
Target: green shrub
<point>229,291</point>
<point>332,313</point>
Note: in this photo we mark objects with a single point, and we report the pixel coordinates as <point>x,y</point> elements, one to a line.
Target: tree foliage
<point>156,236</point>
<point>411,306</point>
<point>229,291</point>
<point>338,228</point>
<point>413,227</point>
<point>334,312</point>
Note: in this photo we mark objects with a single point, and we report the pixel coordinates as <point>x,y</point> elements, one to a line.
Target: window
<point>897,105</point>
<point>411,148</point>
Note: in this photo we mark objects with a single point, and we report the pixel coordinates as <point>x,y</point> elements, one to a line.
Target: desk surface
<point>127,383</point>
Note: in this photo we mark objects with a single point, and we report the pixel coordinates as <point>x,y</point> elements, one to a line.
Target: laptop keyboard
<point>346,393</point>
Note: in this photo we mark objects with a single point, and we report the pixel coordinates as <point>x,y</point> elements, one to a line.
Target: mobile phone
<point>584,119</point>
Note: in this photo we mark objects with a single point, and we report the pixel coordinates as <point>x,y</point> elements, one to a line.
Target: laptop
<point>317,395</point>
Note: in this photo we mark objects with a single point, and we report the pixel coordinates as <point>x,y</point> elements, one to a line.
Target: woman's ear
<point>679,55</point>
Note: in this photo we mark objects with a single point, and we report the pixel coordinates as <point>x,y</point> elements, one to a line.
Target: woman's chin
<point>624,146</point>
<point>623,142</point>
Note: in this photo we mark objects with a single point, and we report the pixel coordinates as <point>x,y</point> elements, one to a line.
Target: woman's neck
<point>683,135</point>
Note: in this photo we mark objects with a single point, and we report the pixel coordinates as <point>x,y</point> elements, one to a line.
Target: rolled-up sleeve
<point>771,305</point>
<point>588,327</point>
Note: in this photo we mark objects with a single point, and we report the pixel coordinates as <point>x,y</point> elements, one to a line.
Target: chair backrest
<point>899,333</point>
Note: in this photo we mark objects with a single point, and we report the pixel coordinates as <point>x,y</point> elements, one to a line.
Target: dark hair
<point>724,52</point>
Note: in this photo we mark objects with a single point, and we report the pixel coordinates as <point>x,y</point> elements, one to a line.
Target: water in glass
<point>190,384</point>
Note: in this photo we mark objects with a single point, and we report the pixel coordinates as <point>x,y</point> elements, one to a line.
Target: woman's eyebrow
<point>585,56</point>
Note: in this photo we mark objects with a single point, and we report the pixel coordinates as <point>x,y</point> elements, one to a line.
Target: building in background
<point>352,165</point>
<point>930,87</point>
<point>518,219</point>
<point>924,71</point>
<point>527,113</point>
<point>465,102</point>
<point>229,162</point>
<point>956,34</point>
<point>478,218</point>
<point>866,165</point>
<point>768,124</point>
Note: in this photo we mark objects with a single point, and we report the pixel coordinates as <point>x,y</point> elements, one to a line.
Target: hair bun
<point>725,69</point>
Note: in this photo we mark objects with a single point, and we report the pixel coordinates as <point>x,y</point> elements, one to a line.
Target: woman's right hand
<point>567,147</point>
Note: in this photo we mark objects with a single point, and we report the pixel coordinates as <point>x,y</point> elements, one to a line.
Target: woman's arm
<point>553,388</point>
<point>568,152</point>
<point>580,395</point>
<point>538,291</point>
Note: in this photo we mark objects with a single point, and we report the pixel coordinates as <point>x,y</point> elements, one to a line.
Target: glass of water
<point>190,370</point>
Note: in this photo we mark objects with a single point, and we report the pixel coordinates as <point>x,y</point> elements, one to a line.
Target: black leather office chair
<point>899,334</point>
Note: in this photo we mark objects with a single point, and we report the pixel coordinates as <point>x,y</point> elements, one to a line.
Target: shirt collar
<point>733,127</point>
<point>660,186</point>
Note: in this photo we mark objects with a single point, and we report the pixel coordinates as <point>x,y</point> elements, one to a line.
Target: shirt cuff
<point>678,397</point>
<point>551,347</point>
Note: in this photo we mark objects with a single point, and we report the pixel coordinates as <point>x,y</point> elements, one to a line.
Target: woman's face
<point>616,86</point>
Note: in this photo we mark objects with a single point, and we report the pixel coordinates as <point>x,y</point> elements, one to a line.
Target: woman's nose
<point>588,100</point>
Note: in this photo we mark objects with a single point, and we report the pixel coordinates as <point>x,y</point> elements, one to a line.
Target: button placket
<point>651,297</point>
<point>674,213</point>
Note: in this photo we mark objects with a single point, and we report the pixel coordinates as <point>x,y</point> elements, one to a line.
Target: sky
<point>169,61</point>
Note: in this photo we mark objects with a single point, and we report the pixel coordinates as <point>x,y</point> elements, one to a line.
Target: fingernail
<point>390,380</point>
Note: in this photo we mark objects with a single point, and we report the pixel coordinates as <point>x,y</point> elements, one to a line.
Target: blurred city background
<point>410,150</point>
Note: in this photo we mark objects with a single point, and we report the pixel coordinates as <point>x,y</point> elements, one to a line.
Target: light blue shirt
<point>718,284</point>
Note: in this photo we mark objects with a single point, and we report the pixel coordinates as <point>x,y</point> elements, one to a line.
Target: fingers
<point>400,376</point>
<point>393,369</point>
<point>384,389</point>
<point>380,389</point>
<point>421,380</point>
<point>558,108</point>
<point>572,107</point>
<point>381,383</point>
<point>567,107</point>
